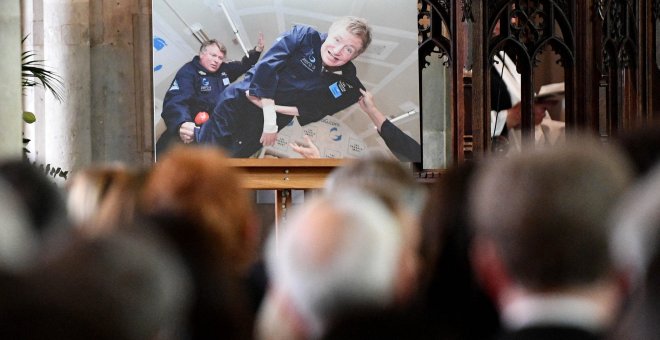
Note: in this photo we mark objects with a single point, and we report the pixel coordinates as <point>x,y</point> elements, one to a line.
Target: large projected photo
<point>305,97</point>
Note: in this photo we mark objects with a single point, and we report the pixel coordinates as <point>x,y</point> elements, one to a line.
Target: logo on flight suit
<point>339,87</point>
<point>206,85</point>
<point>309,62</point>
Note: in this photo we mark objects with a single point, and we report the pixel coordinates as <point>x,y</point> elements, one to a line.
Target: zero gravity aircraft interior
<point>388,68</point>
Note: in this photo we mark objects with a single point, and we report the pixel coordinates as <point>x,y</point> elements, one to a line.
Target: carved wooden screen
<point>444,28</point>
<point>608,51</point>
<point>527,27</point>
<point>619,50</point>
<point>628,63</point>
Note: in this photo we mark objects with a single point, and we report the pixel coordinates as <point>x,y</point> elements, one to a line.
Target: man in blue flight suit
<point>306,74</point>
<point>197,87</point>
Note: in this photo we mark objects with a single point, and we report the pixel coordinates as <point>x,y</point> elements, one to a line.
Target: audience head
<point>450,296</point>
<point>42,199</point>
<point>199,187</point>
<point>636,248</point>
<point>18,241</point>
<point>388,180</point>
<point>542,236</point>
<point>636,223</point>
<point>445,218</point>
<point>119,285</point>
<point>336,253</point>
<point>103,198</point>
<point>384,177</point>
<point>543,214</point>
<point>196,200</point>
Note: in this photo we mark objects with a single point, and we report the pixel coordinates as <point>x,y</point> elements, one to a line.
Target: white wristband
<point>270,119</point>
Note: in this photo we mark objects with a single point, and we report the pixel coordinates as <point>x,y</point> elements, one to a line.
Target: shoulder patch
<point>174,86</point>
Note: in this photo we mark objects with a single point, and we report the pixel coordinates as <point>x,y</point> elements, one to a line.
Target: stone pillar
<point>102,50</point>
<point>436,118</point>
<point>117,97</point>
<point>63,129</point>
<point>10,73</point>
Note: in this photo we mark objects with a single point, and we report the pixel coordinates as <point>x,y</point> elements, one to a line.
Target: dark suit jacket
<point>550,333</point>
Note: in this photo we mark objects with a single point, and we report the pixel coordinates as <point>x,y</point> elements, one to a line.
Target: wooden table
<point>284,175</point>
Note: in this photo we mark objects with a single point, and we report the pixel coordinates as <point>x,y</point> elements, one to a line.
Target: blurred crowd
<point>559,242</point>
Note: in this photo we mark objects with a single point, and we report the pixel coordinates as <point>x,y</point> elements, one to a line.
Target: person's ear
<point>489,268</point>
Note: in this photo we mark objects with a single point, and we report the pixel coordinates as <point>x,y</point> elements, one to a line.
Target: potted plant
<point>35,73</point>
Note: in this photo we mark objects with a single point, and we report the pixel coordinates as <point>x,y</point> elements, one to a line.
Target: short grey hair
<point>208,43</point>
<point>546,211</point>
<point>359,267</point>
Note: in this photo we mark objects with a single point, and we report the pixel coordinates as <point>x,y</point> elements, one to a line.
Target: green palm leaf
<point>35,73</point>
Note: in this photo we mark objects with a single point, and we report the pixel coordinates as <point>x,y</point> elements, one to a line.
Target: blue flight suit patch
<point>334,88</point>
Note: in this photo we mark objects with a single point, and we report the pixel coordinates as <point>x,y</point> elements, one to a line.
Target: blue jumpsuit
<point>292,74</point>
<point>195,89</point>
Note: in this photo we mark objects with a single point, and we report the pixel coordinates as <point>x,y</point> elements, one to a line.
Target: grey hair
<point>547,211</point>
<point>360,269</point>
<point>215,42</point>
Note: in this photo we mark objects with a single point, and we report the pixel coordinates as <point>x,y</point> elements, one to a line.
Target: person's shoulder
<point>304,29</point>
<point>191,67</point>
<point>303,33</point>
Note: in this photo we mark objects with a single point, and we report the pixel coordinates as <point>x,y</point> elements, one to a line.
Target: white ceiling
<point>388,68</point>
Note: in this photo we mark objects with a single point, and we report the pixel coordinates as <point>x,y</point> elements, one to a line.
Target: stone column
<point>117,80</point>
<point>102,50</point>
<point>63,134</point>
<point>10,73</point>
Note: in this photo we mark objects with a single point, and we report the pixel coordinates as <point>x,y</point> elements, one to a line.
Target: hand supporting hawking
<point>369,107</point>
